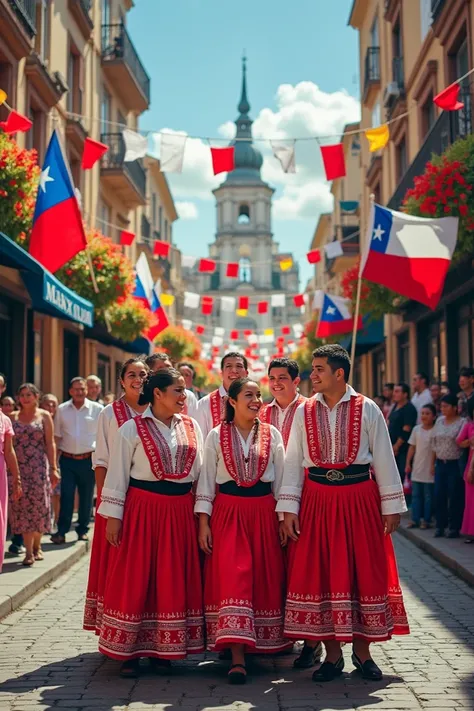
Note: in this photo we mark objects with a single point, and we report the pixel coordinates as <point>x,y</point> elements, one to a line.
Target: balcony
<point>123,68</point>
<point>450,126</point>
<point>81,11</point>
<point>49,88</point>
<point>372,71</point>
<point>76,133</point>
<point>127,180</point>
<point>19,16</point>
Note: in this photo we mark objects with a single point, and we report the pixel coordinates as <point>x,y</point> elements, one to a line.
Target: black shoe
<point>329,671</point>
<point>82,537</point>
<point>368,669</point>
<point>130,669</point>
<point>309,656</point>
<point>453,534</point>
<point>237,674</point>
<point>57,539</point>
<point>439,533</point>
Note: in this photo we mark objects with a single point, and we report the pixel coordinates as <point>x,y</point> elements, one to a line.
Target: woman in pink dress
<point>7,458</point>
<point>466,439</point>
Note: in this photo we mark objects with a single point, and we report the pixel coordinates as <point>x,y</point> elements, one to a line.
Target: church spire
<point>244,106</point>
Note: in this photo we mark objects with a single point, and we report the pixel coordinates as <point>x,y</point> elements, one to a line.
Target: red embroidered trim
<point>269,413</point>
<point>246,471</point>
<point>217,405</point>
<point>158,452</point>
<point>347,435</point>
<point>122,411</point>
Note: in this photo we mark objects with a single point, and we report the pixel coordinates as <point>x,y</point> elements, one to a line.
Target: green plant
<point>128,319</point>
<point>19,174</point>
<point>179,343</point>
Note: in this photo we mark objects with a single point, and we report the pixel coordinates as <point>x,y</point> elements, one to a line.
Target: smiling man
<point>343,581</point>
<point>211,408</point>
<point>283,380</point>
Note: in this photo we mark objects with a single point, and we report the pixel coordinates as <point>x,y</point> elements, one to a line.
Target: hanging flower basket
<point>19,175</point>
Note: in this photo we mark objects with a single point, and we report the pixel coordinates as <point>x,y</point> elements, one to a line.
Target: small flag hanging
<point>248,332</point>
<point>286,263</point>
<point>241,312</point>
<point>232,271</point>
<point>278,301</point>
<point>217,341</point>
<point>188,262</point>
<point>161,249</point>
<point>3,96</point>
<point>126,238</point>
<point>136,145</point>
<point>298,330</point>
<point>448,99</point>
<point>228,303</point>
<point>200,329</point>
<point>223,159</point>
<point>234,335</point>
<point>333,159</point>
<point>299,300</point>
<point>172,147</point>
<point>377,137</point>
<point>286,330</point>
<point>318,299</point>
<point>167,299</point>
<point>219,331</point>
<point>92,152</point>
<point>187,324</point>
<point>284,152</point>
<point>268,332</point>
<point>191,300</point>
<point>207,266</point>
<point>314,256</point>
<point>16,123</point>
<point>262,307</point>
<point>280,340</point>
<point>207,302</point>
<point>333,249</point>
<point>243,302</point>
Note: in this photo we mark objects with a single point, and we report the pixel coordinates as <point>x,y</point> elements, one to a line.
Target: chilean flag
<point>410,255</point>
<point>335,317</point>
<point>145,292</point>
<point>58,233</point>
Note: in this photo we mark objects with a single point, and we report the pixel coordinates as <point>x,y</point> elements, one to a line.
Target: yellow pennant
<point>242,312</point>
<point>167,299</point>
<point>377,137</point>
<point>268,332</point>
<point>3,96</point>
<point>286,264</point>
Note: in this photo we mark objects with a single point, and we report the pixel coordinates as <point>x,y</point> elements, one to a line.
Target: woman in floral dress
<point>35,448</point>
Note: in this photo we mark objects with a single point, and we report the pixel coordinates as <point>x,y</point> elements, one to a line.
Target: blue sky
<point>302,77</point>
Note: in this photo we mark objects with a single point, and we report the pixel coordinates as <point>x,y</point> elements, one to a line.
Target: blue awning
<point>371,335</point>
<point>48,294</point>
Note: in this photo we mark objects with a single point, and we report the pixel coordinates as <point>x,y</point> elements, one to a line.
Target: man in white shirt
<point>94,389</point>
<point>343,583</point>
<point>156,362</point>
<point>75,426</point>
<point>283,380</point>
<point>211,407</point>
<point>422,394</point>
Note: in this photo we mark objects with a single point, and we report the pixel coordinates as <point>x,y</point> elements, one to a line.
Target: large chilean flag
<point>335,317</point>
<point>410,255</point>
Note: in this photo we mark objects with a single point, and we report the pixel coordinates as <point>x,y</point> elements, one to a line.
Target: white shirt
<point>191,404</point>
<point>423,459</point>
<point>374,448</point>
<point>128,459</point>
<point>106,431</point>
<point>280,412</point>
<point>419,400</point>
<point>204,416</point>
<point>76,429</point>
<point>215,472</point>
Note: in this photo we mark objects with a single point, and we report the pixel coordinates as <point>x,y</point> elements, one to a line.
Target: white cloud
<point>186,210</point>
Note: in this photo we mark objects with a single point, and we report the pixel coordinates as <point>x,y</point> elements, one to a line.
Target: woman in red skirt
<point>244,574</point>
<point>153,592</point>
<point>132,375</point>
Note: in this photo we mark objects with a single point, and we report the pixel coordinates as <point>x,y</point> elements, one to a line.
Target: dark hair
<point>131,361</point>
<point>184,363</point>
<point>466,372</point>
<point>77,379</point>
<point>337,357</point>
<point>450,399</point>
<point>28,386</point>
<point>235,354</point>
<point>445,384</point>
<point>162,379</point>
<point>151,359</point>
<point>389,385</point>
<point>429,406</point>
<point>235,388</point>
<point>291,366</point>
<point>405,388</point>
<point>435,382</point>
<point>423,376</point>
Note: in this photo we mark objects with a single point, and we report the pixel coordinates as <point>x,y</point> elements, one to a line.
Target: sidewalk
<point>18,583</point>
<point>452,553</point>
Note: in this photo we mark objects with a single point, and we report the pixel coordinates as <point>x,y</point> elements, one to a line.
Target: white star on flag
<point>45,178</point>
<point>378,232</point>
<point>331,310</point>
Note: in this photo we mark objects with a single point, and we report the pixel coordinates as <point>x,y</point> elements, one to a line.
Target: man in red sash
<point>211,408</point>
<point>342,498</point>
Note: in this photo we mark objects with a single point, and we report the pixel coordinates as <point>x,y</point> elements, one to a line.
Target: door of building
<point>71,359</point>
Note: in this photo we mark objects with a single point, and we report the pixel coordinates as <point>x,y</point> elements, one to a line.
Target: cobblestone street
<point>48,662</point>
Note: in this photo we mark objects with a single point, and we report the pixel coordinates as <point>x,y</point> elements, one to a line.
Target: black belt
<point>261,488</point>
<point>168,488</point>
<point>353,474</point>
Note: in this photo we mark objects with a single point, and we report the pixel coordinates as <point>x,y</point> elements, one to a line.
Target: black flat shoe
<point>130,669</point>
<point>237,677</point>
<point>309,656</point>
<point>368,669</point>
<point>439,533</point>
<point>329,671</point>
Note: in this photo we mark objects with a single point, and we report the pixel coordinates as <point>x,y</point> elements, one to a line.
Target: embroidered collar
<point>222,391</point>
<point>274,403</point>
<point>350,392</point>
<point>148,414</point>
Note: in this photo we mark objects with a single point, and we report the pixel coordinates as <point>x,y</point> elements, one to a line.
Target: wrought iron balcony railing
<point>116,44</point>
<point>372,67</point>
<point>25,10</point>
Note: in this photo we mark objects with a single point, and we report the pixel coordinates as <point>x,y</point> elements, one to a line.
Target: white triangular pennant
<point>172,152</point>
<point>191,300</point>
<point>284,151</point>
<point>228,303</point>
<point>136,145</point>
<point>333,250</point>
<point>278,300</point>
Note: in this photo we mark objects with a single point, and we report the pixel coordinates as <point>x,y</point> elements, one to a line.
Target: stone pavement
<point>48,663</point>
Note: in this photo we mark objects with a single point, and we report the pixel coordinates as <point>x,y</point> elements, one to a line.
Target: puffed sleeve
<point>385,468</point>
<point>289,496</point>
<point>206,487</point>
<point>118,474</point>
<point>100,456</point>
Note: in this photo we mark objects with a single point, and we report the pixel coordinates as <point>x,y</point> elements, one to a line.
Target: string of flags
<point>240,305</point>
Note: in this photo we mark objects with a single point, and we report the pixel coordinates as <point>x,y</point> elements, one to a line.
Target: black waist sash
<point>353,474</point>
<point>261,488</point>
<point>167,488</point>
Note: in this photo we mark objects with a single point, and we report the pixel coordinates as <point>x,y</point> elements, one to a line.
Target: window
<point>165,230</point>
<point>374,33</point>
<point>426,17</point>
<point>404,357</point>
<point>245,270</point>
<point>160,220</point>
<point>244,215</point>
<point>105,217</point>
<point>401,158</point>
<point>43,9</point>
<point>106,12</point>
<point>397,39</point>
<point>428,115</point>
<point>376,115</point>
<point>153,212</point>
<point>105,110</point>
<point>36,136</point>
<point>74,80</point>
<point>103,371</point>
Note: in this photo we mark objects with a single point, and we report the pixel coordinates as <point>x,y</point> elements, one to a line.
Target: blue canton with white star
<point>381,229</point>
<point>55,183</point>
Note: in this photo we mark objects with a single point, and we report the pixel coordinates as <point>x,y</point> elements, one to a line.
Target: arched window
<point>245,270</point>
<point>244,215</point>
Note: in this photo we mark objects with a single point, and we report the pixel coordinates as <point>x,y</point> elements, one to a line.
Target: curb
<point>445,560</point>
<point>10,603</point>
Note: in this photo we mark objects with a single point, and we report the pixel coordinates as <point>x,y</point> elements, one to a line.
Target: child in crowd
<point>422,479</point>
<point>466,439</point>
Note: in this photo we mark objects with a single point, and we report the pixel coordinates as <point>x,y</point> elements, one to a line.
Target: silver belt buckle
<point>334,475</point>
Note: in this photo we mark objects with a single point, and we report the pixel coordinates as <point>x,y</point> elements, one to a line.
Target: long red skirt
<point>101,548</point>
<point>244,577</point>
<point>343,578</point>
<point>153,594</point>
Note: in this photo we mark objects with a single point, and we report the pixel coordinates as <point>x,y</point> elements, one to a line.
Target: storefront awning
<point>371,335</point>
<point>48,294</point>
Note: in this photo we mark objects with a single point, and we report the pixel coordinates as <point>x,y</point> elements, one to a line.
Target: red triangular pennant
<point>16,123</point>
<point>207,266</point>
<point>243,303</point>
<point>448,98</point>
<point>232,271</point>
<point>314,256</point>
<point>286,330</point>
<point>200,329</point>
<point>92,152</point>
<point>234,335</point>
<point>333,159</point>
<point>161,249</point>
<point>126,238</point>
<point>262,307</point>
<point>223,159</point>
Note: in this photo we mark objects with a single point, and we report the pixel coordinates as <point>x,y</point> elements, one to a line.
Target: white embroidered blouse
<point>129,459</point>
<point>215,472</point>
<point>374,448</point>
<point>204,415</point>
<point>107,428</point>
